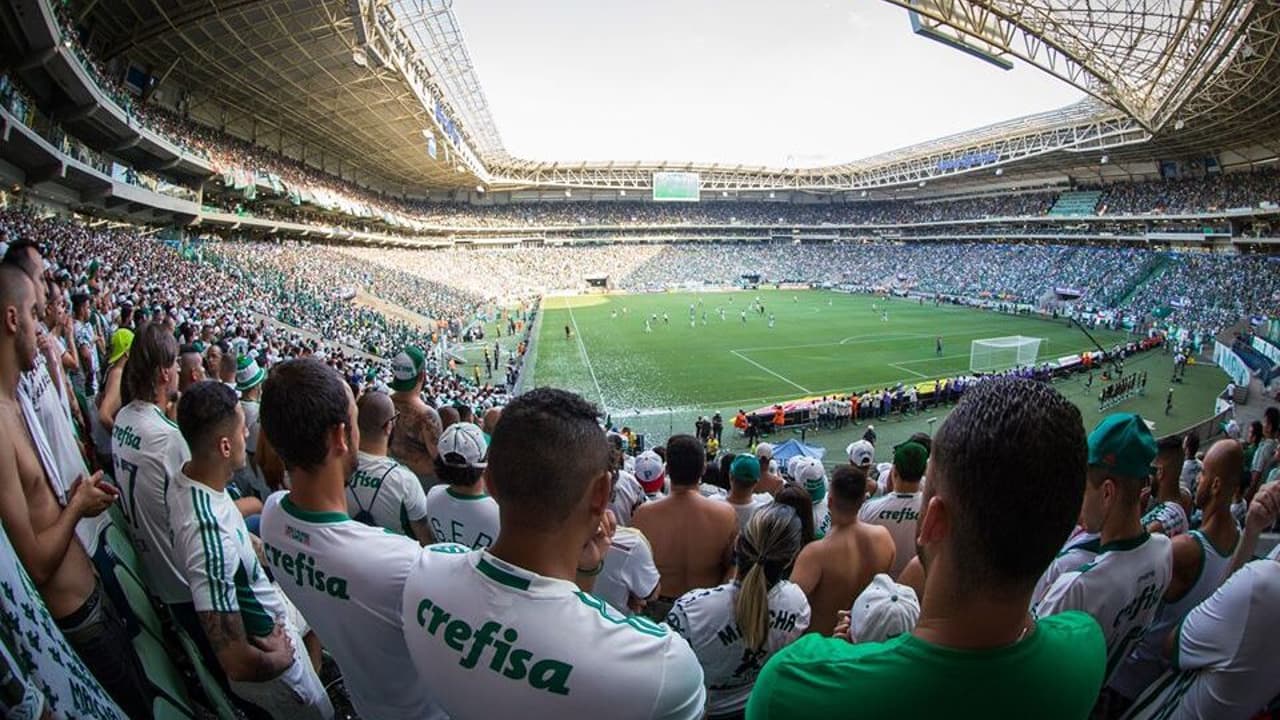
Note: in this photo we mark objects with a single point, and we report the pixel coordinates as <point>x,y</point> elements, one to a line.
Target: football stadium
<point>420,359</point>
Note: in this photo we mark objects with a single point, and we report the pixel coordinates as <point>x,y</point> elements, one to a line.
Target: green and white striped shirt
<point>211,540</point>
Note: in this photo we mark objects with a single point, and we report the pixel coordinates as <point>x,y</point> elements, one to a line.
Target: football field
<point>820,343</point>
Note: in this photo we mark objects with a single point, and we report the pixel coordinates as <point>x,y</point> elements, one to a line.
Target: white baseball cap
<point>884,610</point>
<point>462,444</point>
<point>793,464</point>
<point>764,450</point>
<point>861,453</point>
<point>650,471</point>
<point>808,469</point>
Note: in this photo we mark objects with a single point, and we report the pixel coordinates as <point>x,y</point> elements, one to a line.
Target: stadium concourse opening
<point>656,362</point>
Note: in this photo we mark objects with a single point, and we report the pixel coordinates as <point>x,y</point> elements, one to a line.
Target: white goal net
<point>1002,353</point>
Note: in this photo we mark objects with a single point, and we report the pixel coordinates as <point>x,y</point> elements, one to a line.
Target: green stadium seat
<point>216,696</point>
<point>139,602</point>
<point>163,675</point>
<point>125,554</point>
<point>165,709</point>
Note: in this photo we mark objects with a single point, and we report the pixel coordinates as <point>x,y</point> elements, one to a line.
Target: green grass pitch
<point>821,343</point>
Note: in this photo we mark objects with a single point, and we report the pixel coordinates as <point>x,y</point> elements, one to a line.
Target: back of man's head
<point>1271,420</point>
<point>206,413</point>
<point>373,414</point>
<point>848,489</point>
<point>490,420</point>
<point>546,451</point>
<point>1191,444</point>
<point>227,367</point>
<point>686,459</point>
<point>1010,463</point>
<point>302,401</point>
<point>26,256</point>
<point>153,350</point>
<point>448,416</point>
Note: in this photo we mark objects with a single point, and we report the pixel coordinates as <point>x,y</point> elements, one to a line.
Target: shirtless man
<point>417,430</point>
<point>836,569</point>
<point>770,482</point>
<point>692,536</point>
<point>43,532</point>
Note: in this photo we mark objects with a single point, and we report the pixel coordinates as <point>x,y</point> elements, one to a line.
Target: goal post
<point>1002,353</point>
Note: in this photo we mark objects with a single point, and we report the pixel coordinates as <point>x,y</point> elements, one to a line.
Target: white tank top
<point>1147,662</point>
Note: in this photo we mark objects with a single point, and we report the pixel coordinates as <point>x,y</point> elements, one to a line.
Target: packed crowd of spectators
<point>1199,291</point>
<point>237,296</point>
<point>299,529</point>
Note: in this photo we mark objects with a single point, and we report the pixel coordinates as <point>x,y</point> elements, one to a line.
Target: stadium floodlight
<point>771,195</point>
<point>568,192</point>
<point>480,188</point>
<point>622,193</point>
<point>1105,159</point>
<point>359,58</point>
<point>1003,353</point>
<point>999,172</point>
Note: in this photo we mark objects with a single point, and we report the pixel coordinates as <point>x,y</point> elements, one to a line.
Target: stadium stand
<point>1082,202</point>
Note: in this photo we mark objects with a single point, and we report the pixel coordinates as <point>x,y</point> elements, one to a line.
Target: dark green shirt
<point>1054,673</point>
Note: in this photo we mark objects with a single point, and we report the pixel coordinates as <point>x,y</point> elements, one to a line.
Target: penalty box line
<point>783,378</point>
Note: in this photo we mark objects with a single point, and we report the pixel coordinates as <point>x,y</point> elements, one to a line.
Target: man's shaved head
<point>1225,462</point>
<point>17,315</point>
<point>374,411</point>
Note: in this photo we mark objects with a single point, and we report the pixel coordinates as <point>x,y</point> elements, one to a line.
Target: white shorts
<point>296,694</point>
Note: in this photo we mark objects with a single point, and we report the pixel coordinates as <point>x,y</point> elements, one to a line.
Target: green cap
<point>745,467</point>
<point>406,367</point>
<point>910,458</point>
<point>1123,444</point>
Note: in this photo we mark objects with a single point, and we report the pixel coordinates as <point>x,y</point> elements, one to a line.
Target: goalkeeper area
<point>1002,353</point>
<point>822,343</point>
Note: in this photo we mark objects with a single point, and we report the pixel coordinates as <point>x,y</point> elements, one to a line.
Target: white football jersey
<point>223,572</point>
<point>387,491</point>
<point>821,519</point>
<point>628,570</point>
<point>706,619</point>
<point>321,561</point>
<point>627,496</point>
<point>899,512</point>
<point>1121,589</point>
<point>1080,550</point>
<point>1224,664</point>
<point>470,520</point>
<point>501,642</point>
<point>149,453</point>
<point>1147,662</point>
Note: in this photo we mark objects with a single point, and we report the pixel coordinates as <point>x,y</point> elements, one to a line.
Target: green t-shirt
<point>1056,672</point>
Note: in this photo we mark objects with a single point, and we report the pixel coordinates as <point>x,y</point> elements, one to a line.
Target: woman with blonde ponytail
<point>734,628</point>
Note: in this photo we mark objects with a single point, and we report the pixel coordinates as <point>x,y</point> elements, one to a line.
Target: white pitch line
<point>780,377</point>
<point>586,357</point>
<point>913,372</point>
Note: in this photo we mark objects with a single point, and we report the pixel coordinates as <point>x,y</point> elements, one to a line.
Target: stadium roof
<point>366,83</point>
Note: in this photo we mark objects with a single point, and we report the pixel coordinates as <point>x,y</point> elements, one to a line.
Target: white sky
<point>793,83</point>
